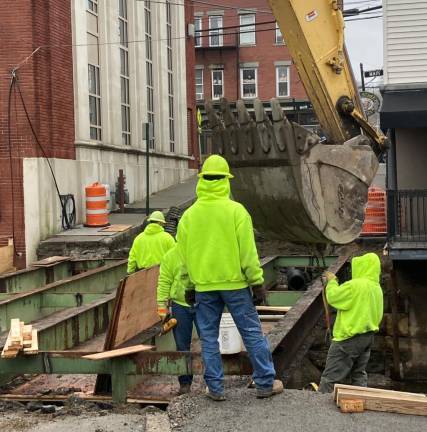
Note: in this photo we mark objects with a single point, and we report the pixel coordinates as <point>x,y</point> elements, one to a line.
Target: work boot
<point>184,389</point>
<point>217,397</point>
<point>266,393</point>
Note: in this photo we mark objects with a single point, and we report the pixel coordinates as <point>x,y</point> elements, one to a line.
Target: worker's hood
<point>213,189</point>
<point>367,266</point>
<point>153,228</point>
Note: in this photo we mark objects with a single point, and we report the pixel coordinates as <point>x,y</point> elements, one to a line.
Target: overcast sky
<point>364,39</point>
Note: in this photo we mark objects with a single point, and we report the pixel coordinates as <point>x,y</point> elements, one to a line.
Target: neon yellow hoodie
<point>216,240</point>
<point>173,279</point>
<point>149,247</point>
<point>359,302</point>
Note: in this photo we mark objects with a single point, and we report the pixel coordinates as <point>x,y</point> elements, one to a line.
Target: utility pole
<point>148,135</point>
<point>362,75</point>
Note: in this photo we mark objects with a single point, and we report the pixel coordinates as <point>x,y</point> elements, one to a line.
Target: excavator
<point>297,186</point>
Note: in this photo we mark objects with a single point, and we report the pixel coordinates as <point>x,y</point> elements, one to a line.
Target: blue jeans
<point>183,332</point>
<point>209,307</point>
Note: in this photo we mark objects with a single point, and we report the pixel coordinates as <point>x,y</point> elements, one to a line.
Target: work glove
<point>190,296</point>
<point>162,311</point>
<point>329,276</point>
<point>258,294</point>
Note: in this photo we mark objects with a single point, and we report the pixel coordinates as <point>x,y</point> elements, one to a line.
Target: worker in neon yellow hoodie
<point>216,240</point>
<point>359,305</point>
<point>149,247</point>
<point>172,284</point>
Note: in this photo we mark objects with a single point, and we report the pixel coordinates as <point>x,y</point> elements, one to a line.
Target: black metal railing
<point>407,215</point>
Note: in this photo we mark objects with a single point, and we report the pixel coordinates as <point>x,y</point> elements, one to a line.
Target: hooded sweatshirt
<point>149,247</point>
<point>359,302</point>
<point>216,240</point>
<point>173,279</point>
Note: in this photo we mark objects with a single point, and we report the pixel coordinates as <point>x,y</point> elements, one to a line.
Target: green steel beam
<point>28,306</point>
<point>270,272</point>
<point>67,300</point>
<point>303,261</point>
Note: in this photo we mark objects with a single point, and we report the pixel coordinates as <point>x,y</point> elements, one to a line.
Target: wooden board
<point>50,261</point>
<point>273,308</point>
<point>119,352</point>
<point>386,401</point>
<point>6,258</point>
<point>116,228</point>
<point>375,390</point>
<point>352,406</point>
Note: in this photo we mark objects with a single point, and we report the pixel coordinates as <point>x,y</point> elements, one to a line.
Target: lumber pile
<point>21,338</point>
<point>6,258</point>
<point>357,399</point>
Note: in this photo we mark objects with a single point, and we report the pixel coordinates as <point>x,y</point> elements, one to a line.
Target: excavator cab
<point>297,187</point>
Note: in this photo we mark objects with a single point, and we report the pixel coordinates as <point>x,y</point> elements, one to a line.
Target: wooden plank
<point>116,228</point>
<point>375,401</point>
<point>273,308</point>
<point>352,405</point>
<point>137,310</point>
<point>34,348</point>
<point>118,352</point>
<point>6,258</point>
<point>374,390</point>
<point>50,261</point>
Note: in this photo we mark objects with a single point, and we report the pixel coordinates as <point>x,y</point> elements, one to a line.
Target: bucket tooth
<point>230,134</point>
<point>264,126</point>
<point>248,135</point>
<point>217,128</point>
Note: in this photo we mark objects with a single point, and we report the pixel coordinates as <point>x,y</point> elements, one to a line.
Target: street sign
<point>374,73</point>
<point>199,121</point>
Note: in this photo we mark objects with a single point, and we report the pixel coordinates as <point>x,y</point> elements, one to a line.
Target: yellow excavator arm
<point>297,187</point>
<point>314,33</point>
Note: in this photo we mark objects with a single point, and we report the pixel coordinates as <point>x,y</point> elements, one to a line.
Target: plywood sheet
<point>116,228</point>
<point>135,309</point>
<point>6,258</point>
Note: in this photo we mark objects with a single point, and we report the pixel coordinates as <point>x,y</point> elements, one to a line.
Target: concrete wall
<point>41,203</point>
<point>411,155</point>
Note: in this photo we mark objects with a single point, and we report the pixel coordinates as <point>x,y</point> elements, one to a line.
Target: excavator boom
<point>296,187</point>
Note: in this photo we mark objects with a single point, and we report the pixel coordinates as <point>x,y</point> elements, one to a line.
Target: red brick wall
<point>46,82</point>
<point>265,52</point>
<point>193,146</point>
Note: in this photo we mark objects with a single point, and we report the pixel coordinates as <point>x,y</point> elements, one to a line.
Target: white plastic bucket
<point>230,341</point>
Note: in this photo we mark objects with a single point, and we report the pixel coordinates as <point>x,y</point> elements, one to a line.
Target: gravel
<point>292,411</point>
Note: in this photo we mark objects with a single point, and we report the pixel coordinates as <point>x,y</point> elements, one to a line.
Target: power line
<point>364,18</point>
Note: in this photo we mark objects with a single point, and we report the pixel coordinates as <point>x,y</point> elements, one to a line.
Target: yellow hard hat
<point>157,216</point>
<point>215,165</point>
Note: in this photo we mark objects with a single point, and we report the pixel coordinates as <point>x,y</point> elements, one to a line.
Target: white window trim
<point>222,83</point>
<point>289,81</point>
<point>241,82</point>
<point>275,36</point>
<point>202,84</point>
<point>246,29</point>
<point>199,19</point>
<point>216,32</point>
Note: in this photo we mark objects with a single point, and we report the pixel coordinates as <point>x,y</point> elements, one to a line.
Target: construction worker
<point>216,240</point>
<point>171,287</point>
<point>359,305</point>
<point>149,247</point>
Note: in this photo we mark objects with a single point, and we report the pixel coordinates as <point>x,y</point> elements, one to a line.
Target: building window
<point>199,84</point>
<point>94,103</point>
<point>247,29</point>
<point>170,76</point>
<point>279,37</point>
<point>217,84</point>
<point>149,69</point>
<point>92,5</point>
<point>282,81</point>
<point>198,32</point>
<point>124,72</point>
<point>215,30</point>
<point>248,82</point>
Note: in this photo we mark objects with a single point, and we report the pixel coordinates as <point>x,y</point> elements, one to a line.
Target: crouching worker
<point>359,305</point>
<point>171,287</point>
<point>149,247</point>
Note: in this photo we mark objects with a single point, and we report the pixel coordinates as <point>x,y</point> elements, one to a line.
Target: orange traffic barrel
<point>375,213</point>
<point>96,205</point>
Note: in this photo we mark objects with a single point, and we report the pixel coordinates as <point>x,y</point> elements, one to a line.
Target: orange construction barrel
<point>96,205</point>
<point>375,213</point>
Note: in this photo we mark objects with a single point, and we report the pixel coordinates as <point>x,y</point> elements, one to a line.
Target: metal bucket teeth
<point>295,188</point>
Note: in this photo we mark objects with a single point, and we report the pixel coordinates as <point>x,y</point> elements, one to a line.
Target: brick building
<point>90,72</point>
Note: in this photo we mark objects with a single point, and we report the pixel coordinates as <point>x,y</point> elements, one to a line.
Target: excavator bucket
<point>295,187</point>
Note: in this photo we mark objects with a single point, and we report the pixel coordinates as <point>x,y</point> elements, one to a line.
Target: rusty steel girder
<point>294,187</point>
